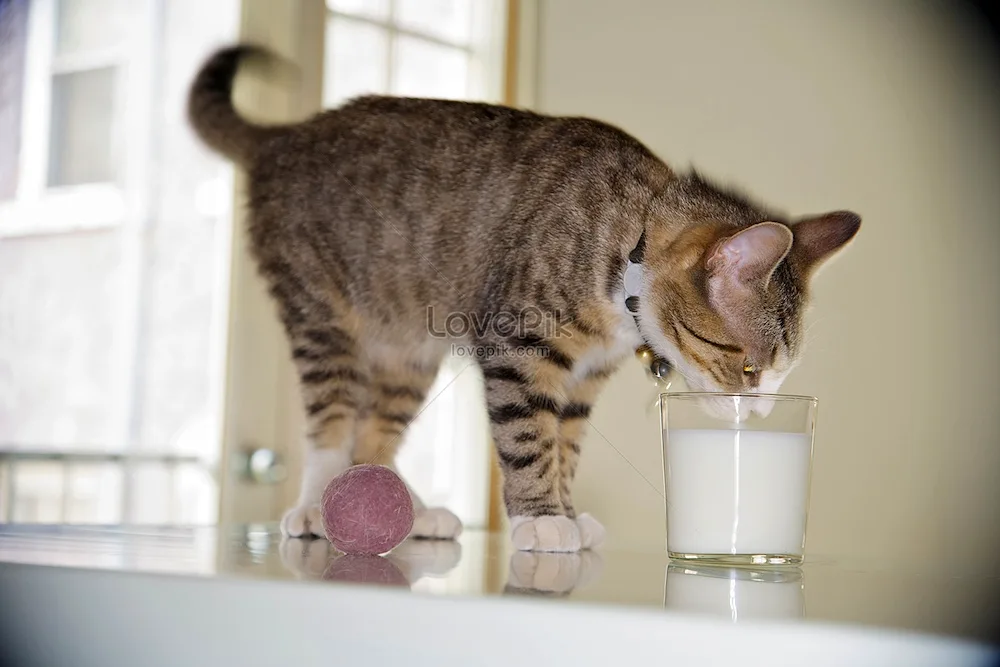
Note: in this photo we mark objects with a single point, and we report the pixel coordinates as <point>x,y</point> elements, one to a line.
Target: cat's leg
<point>320,325</point>
<point>398,391</point>
<point>524,395</point>
<point>580,396</point>
<point>333,384</point>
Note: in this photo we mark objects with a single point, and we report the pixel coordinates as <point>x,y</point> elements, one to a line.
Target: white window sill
<point>63,211</point>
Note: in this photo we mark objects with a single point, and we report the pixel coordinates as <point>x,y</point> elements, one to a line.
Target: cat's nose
<point>736,409</point>
<point>723,408</point>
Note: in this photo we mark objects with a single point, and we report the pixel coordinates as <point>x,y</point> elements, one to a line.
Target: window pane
<point>355,60</point>
<point>38,492</point>
<point>4,490</point>
<point>94,493</point>
<point>13,29</point>
<point>375,9</point>
<point>445,455</point>
<point>424,69</point>
<point>58,385</point>
<point>152,502</point>
<point>80,150</point>
<point>197,496</point>
<point>446,19</point>
<point>164,494</point>
<point>88,25</point>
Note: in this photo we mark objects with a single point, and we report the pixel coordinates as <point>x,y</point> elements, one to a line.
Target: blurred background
<point>143,376</point>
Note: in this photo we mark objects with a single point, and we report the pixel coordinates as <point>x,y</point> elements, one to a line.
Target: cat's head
<point>725,298</point>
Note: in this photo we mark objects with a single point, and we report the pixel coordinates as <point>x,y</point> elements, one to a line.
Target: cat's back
<point>446,116</point>
<point>443,136</point>
<point>405,128</point>
<point>406,183</point>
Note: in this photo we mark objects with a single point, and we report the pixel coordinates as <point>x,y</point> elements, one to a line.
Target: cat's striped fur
<point>375,222</point>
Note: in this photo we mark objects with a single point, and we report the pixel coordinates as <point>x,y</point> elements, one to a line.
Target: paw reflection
<point>306,558</point>
<point>420,558</point>
<point>551,574</point>
<point>403,566</point>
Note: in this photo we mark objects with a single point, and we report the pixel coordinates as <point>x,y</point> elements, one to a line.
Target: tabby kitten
<point>381,222</point>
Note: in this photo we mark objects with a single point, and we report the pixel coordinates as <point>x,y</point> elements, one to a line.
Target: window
<point>78,66</point>
<point>113,246</point>
<point>85,69</point>
<point>451,49</point>
<point>13,35</point>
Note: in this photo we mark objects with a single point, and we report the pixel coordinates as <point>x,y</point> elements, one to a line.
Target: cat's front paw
<point>303,521</point>
<point>592,533</point>
<point>436,523</point>
<point>545,533</point>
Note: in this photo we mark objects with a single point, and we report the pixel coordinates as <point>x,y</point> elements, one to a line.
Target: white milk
<point>736,492</point>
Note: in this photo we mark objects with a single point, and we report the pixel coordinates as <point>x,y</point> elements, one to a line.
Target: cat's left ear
<point>817,239</point>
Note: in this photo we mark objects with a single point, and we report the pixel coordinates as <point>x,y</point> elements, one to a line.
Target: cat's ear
<point>818,238</point>
<point>751,255</point>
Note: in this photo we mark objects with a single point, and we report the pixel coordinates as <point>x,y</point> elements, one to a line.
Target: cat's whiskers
<point>808,336</point>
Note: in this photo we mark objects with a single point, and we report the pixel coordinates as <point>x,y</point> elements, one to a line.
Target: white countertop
<point>240,594</point>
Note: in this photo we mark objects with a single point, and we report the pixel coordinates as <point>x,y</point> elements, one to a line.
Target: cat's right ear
<point>739,267</point>
<point>749,257</point>
<point>818,238</point>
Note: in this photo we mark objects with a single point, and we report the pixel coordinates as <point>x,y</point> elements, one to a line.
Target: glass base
<point>738,560</point>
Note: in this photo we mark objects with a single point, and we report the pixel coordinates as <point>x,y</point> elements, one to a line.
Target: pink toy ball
<point>367,510</point>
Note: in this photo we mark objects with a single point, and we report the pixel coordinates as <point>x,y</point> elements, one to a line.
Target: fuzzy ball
<point>367,510</point>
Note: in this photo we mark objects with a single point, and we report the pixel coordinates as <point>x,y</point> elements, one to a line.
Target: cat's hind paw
<point>436,523</point>
<point>545,533</point>
<point>303,521</point>
<point>592,533</point>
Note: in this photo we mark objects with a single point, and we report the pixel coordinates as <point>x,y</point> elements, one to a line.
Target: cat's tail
<point>210,105</point>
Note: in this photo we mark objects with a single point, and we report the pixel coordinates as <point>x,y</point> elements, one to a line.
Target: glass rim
<point>726,394</point>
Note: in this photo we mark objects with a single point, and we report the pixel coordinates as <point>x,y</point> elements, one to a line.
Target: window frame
<point>485,48</point>
<point>38,208</point>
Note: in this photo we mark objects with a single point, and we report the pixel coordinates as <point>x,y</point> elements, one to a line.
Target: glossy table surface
<point>937,604</point>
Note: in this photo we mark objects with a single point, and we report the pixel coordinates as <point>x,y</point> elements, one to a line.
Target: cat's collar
<point>657,367</point>
<point>632,279</point>
<point>632,285</point>
<point>639,251</point>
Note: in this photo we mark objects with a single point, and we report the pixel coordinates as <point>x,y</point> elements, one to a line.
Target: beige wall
<point>813,106</point>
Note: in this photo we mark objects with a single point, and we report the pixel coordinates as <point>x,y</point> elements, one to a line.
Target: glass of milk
<point>736,470</point>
